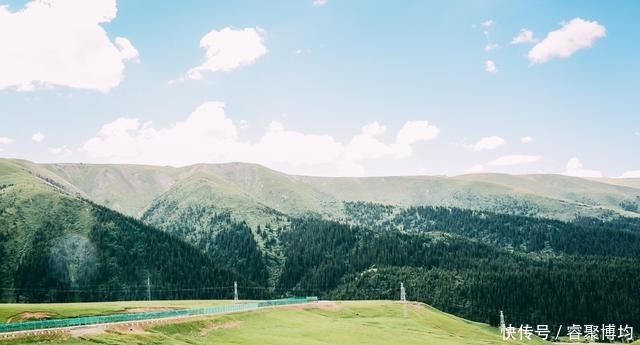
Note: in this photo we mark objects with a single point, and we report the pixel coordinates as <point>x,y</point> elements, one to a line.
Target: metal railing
<point>151,315</point>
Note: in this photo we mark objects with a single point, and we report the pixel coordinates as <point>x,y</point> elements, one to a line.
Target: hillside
<point>58,247</point>
<point>367,322</point>
<point>251,192</point>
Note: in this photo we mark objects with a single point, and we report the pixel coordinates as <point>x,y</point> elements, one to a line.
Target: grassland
<point>13,312</point>
<point>363,322</point>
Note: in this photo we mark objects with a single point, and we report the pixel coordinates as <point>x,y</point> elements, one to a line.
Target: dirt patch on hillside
<point>131,329</point>
<point>30,315</point>
<point>216,326</point>
<point>324,305</point>
<point>89,330</point>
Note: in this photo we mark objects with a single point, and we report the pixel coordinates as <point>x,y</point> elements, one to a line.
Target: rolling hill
<point>251,192</point>
<point>363,322</point>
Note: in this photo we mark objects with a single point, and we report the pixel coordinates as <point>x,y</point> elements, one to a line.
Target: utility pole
<point>148,287</point>
<point>235,291</point>
<point>502,325</point>
<point>403,294</point>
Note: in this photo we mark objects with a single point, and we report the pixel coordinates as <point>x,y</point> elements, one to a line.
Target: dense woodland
<point>461,276</point>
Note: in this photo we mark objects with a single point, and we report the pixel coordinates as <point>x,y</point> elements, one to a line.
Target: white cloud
<point>515,160</point>
<point>490,66</point>
<point>637,133</point>
<point>487,143</point>
<point>491,47</point>
<point>5,140</point>
<point>127,50</point>
<point>478,168</point>
<point>572,36</point>
<point>575,167</point>
<point>524,36</point>
<point>319,2</point>
<point>279,145</point>
<point>37,137</point>
<point>631,174</point>
<point>228,49</point>
<point>61,42</point>
<point>62,151</point>
<point>208,136</point>
<point>415,131</point>
<point>526,140</point>
<point>488,23</point>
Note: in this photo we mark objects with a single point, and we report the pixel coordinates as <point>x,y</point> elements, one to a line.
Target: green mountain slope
<point>554,196</point>
<point>56,246</point>
<point>251,192</point>
<point>124,188</point>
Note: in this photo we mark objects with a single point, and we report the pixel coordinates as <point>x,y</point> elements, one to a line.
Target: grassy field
<point>20,312</point>
<point>363,322</point>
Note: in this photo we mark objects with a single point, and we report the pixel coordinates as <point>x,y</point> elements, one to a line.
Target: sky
<point>325,87</point>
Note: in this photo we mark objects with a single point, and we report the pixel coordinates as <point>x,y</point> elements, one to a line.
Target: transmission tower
<point>235,291</point>
<point>148,287</point>
<point>403,294</point>
<point>502,325</point>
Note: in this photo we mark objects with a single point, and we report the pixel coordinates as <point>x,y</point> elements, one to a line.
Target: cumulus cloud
<point>319,2</point>
<point>526,140</point>
<point>37,137</point>
<point>228,49</point>
<point>61,42</point>
<point>575,167</point>
<point>208,135</point>
<point>572,36</point>
<point>487,143</point>
<point>523,37</point>
<point>631,174</point>
<point>515,160</point>
<point>490,66</point>
<point>414,131</point>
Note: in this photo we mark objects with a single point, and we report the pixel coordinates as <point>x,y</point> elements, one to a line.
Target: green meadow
<point>362,322</point>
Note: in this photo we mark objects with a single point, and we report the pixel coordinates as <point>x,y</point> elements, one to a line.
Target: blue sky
<point>343,87</point>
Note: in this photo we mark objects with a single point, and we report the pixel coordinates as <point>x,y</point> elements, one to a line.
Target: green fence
<point>126,317</point>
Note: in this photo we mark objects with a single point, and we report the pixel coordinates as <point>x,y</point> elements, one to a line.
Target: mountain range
<point>466,244</point>
<point>247,190</point>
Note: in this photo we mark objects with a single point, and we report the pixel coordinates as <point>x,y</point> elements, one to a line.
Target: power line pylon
<point>148,287</point>
<point>403,294</point>
<point>235,291</point>
<point>502,324</point>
